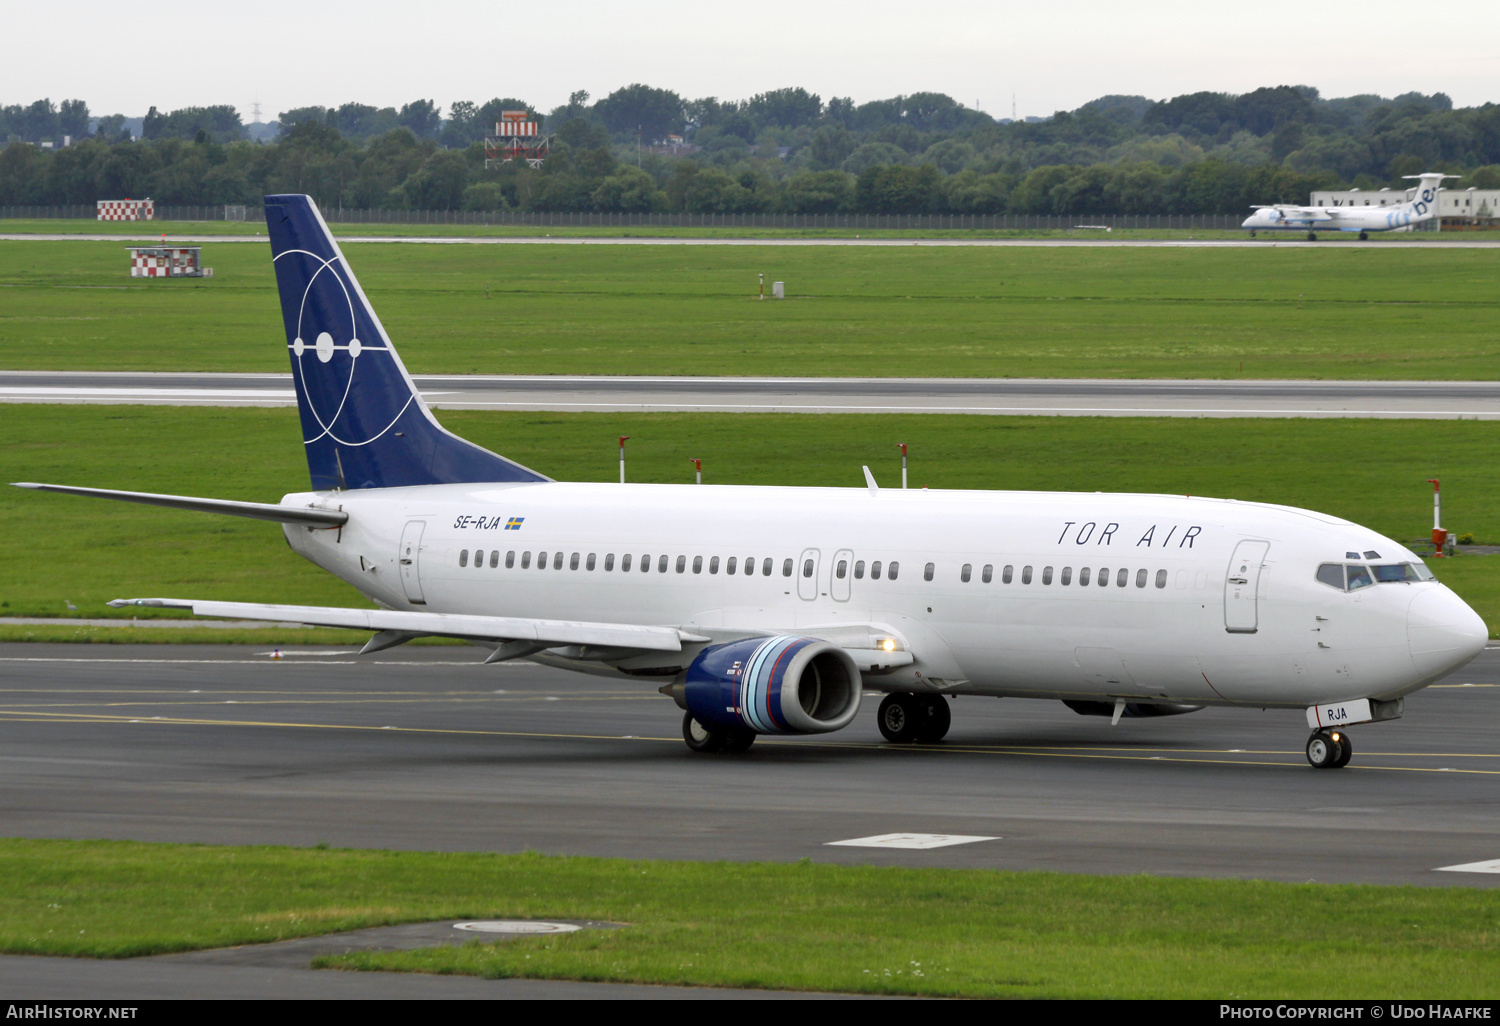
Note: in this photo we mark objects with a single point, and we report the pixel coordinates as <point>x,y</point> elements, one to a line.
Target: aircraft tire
<point>900,717</point>
<point>937,718</point>
<point>1364,236</point>
<point>738,740</point>
<point>1346,751</point>
<point>698,737</point>
<point>1323,751</point>
<point>1312,237</point>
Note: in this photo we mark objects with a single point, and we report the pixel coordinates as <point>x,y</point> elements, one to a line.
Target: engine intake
<point>779,685</point>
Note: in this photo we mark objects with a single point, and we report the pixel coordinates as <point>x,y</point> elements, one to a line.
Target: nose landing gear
<point>1329,749</point>
<point>907,718</point>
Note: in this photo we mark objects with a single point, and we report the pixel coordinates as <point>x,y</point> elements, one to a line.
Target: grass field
<point>87,551</point>
<point>803,926</point>
<point>1377,312</point>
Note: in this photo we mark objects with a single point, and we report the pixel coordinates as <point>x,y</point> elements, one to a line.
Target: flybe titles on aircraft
<point>1159,536</point>
<point>478,523</point>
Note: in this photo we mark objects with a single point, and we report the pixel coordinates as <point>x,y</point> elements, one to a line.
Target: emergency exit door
<point>409,563</point>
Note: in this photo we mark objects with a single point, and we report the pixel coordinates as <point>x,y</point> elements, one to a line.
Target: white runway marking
<point>909,841</point>
<point>1492,866</point>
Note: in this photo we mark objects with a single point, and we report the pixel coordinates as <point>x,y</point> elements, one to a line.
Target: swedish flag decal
<point>514,523</point>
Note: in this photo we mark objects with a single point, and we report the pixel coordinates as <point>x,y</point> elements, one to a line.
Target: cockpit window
<point>1359,577</point>
<point>1395,573</point>
<point>1423,574</point>
<point>1332,574</point>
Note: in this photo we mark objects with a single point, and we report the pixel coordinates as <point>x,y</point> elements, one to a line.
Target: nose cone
<point>1443,632</point>
<point>1251,221</point>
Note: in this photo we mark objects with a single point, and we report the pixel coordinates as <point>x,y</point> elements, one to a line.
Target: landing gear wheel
<point>1323,752</point>
<point>1364,236</point>
<point>1346,751</point>
<point>899,718</point>
<point>1312,237</point>
<point>935,720</point>
<point>738,740</point>
<point>698,737</point>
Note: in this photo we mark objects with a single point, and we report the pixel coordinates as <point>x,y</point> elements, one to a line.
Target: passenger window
<point>645,563</point>
<point>765,567</point>
<point>463,558</point>
<point>1332,574</point>
<point>697,564</point>
<point>713,565</point>
<point>1007,574</point>
<point>859,569</point>
<point>965,573</point>
<point>681,564</point>
<point>625,563</point>
<point>1161,578</point>
<point>841,569</point>
<point>1025,575</point>
<point>609,561</point>
<point>573,561</point>
<point>1122,577</point>
<point>1104,577</point>
<point>661,565</point>
<point>875,570</point>
<point>1140,578</point>
<point>494,558</point>
<point>510,559</point>
<point>541,561</point>
<point>478,558</point>
<point>589,563</point>
<point>557,558</point>
<point>1083,575</point>
<point>786,567</point>
<point>734,562</point>
<point>892,570</point>
<point>927,572</point>
<point>1359,577</point>
<point>1067,576</point>
<point>526,560</point>
<point>749,565</point>
<point>988,573</point>
<point>1046,575</point>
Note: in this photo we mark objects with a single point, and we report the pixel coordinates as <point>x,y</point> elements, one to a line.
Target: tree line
<point>782,151</point>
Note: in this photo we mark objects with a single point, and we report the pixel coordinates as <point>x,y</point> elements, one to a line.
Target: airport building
<point>1457,208</point>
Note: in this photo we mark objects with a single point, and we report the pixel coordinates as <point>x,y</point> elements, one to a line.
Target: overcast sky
<point>1051,56</point>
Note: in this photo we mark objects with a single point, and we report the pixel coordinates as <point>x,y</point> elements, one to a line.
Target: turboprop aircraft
<point>771,610</point>
<point>1421,208</point>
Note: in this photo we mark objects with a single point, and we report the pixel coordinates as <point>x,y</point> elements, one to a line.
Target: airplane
<point>772,610</point>
<point>1285,217</point>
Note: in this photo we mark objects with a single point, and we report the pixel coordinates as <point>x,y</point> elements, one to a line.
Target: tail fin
<point>363,422</point>
<point>1423,204</point>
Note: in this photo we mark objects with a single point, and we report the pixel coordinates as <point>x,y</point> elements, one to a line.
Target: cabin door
<point>1241,586</point>
<point>411,550</point>
<point>807,575</point>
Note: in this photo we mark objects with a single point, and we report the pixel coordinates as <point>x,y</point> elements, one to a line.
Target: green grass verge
<point>1379,312</point>
<point>88,551</point>
<point>805,926</point>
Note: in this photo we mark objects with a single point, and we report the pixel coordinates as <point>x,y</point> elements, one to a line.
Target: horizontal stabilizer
<point>445,625</point>
<point>309,516</point>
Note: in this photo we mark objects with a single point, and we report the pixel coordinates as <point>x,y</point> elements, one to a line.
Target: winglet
<point>870,481</point>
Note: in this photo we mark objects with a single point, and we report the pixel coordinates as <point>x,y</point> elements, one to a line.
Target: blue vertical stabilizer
<point>363,422</point>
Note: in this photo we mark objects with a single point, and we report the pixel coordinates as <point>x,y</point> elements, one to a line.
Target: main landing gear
<point>1329,749</point>
<point>1364,236</point>
<point>701,739</point>
<point>906,718</point>
<point>1312,236</point>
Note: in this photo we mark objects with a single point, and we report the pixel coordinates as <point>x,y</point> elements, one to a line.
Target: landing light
<point>887,645</point>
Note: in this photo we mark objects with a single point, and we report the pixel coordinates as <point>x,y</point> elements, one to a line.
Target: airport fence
<point>592,219</point>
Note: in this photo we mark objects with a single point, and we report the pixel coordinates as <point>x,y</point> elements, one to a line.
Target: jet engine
<point>778,685</point>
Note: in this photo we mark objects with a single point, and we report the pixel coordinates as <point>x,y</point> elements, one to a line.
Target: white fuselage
<point>1172,623</point>
<point>1337,219</point>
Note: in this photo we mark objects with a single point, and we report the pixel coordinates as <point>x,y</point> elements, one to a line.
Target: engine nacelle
<point>779,685</point>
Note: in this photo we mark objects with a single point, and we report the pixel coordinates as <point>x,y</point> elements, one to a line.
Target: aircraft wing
<point>523,635</point>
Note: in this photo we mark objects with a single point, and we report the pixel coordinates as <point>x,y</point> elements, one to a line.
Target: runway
<point>1475,400</point>
<point>425,748</point>
<point>1095,238</point>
